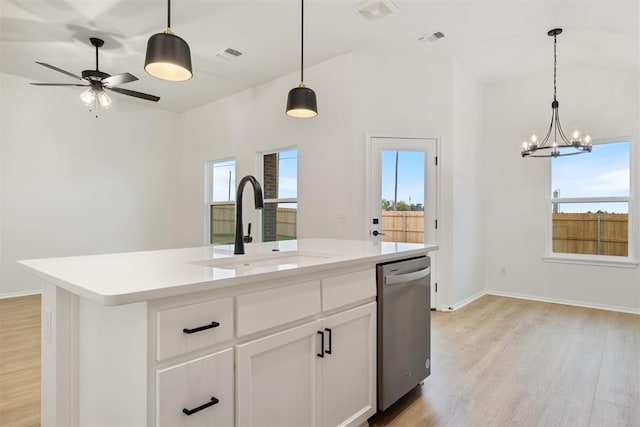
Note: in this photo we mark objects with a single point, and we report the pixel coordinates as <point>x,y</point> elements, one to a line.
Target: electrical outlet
<point>341,218</point>
<point>47,321</point>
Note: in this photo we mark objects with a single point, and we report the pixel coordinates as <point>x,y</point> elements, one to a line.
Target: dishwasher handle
<point>399,279</point>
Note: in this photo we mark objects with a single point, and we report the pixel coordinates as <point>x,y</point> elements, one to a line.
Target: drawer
<point>344,289</point>
<point>265,309</point>
<point>191,327</point>
<point>194,385</point>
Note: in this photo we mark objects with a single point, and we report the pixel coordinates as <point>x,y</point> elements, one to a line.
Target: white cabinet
<point>289,378</point>
<point>196,393</point>
<point>276,378</point>
<point>348,378</point>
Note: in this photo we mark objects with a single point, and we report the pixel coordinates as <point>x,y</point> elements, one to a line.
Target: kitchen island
<point>285,334</point>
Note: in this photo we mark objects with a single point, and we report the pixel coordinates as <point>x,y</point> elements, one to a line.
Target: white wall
<point>72,184</point>
<point>468,236</point>
<point>601,101</point>
<point>253,121</point>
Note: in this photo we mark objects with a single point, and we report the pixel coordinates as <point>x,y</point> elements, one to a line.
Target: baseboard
<point>565,302</point>
<point>19,294</point>
<point>466,301</point>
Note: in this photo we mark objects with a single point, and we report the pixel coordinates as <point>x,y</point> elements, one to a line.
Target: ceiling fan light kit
<point>168,56</point>
<point>301,101</point>
<point>559,145</point>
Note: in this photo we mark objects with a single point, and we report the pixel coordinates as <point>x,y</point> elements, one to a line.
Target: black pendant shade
<point>168,56</point>
<point>301,102</point>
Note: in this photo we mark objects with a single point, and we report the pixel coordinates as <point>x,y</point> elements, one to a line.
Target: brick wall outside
<point>270,188</point>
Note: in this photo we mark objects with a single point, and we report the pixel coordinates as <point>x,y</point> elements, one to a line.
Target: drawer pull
<point>321,354</point>
<point>201,328</point>
<point>329,331</point>
<point>201,407</point>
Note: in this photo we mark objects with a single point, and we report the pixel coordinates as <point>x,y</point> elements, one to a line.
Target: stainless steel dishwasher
<point>404,327</point>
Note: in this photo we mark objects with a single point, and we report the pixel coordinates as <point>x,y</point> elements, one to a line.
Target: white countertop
<point>122,278</point>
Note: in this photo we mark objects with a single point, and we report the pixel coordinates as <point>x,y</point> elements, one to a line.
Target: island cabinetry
<point>318,373</point>
<point>197,336</point>
<point>196,393</point>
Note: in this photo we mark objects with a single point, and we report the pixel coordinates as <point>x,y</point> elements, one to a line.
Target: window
<point>221,201</point>
<point>590,198</point>
<point>280,187</point>
<point>402,190</point>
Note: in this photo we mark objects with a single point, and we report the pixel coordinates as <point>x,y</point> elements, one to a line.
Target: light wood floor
<point>509,362</point>
<point>496,362</point>
<point>20,361</point>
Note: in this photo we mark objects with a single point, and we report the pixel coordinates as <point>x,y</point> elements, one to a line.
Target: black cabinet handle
<point>201,407</point>
<point>201,328</point>
<point>329,331</point>
<point>321,354</point>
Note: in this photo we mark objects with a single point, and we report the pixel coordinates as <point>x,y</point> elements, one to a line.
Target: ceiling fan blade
<point>135,94</point>
<point>60,70</point>
<point>58,84</point>
<point>119,79</point>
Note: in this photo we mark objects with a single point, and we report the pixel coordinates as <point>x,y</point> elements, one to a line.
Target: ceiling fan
<point>97,81</point>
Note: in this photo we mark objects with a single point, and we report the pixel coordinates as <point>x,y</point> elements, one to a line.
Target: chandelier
<point>555,140</point>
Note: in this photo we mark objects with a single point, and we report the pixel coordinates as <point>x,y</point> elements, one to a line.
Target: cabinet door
<point>348,382</point>
<point>203,387</point>
<point>276,378</point>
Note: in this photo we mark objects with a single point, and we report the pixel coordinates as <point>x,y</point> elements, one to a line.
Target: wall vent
<point>373,10</point>
<point>431,37</point>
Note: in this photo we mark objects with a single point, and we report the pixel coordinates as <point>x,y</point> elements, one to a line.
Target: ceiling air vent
<point>431,37</point>
<point>373,10</point>
<point>229,54</point>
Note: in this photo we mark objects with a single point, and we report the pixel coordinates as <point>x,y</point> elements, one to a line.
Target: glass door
<point>403,193</point>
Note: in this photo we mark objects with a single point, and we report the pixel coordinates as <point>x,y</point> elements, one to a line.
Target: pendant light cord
<point>302,42</point>
<point>96,57</point>
<point>169,14</point>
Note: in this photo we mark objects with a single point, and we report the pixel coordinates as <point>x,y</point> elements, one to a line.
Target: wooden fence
<point>599,234</point>
<point>224,222</point>
<point>591,233</point>
<point>286,223</point>
<point>403,226</point>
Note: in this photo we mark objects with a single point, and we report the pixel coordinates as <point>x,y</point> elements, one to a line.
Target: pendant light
<point>559,145</point>
<point>168,56</point>
<point>301,102</point>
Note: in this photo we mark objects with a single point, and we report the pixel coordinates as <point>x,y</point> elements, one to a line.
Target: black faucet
<point>259,204</point>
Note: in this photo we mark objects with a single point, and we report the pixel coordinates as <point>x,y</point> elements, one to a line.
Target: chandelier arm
<point>564,138</point>
<point>546,137</point>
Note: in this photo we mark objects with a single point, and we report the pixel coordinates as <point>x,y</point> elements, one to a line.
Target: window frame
<point>208,196</point>
<point>260,173</point>
<point>630,260</point>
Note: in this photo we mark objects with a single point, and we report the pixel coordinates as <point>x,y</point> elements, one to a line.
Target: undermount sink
<point>268,261</point>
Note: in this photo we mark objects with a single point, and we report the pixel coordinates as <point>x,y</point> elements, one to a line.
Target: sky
<point>410,176</point>
<point>603,172</point>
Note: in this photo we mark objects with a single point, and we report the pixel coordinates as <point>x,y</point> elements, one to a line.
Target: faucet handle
<point>248,238</point>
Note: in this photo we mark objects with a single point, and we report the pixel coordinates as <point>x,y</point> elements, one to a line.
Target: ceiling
<point>496,40</point>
